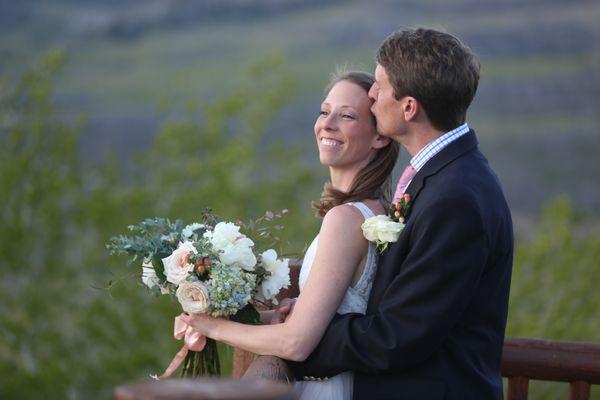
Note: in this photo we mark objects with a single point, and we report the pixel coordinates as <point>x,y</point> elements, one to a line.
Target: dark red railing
<point>550,360</point>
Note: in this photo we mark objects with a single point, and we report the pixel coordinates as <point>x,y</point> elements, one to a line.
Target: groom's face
<point>385,107</point>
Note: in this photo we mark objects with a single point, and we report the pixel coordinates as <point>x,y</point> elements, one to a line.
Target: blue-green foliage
<point>65,336</point>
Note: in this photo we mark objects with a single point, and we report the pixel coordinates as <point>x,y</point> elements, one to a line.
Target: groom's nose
<point>373,92</point>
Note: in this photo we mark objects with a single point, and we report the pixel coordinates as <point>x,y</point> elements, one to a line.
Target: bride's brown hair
<point>371,182</point>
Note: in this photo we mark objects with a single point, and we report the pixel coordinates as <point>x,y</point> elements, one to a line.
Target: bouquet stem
<point>203,363</point>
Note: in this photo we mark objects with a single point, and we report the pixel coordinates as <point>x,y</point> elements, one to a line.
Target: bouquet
<point>211,268</point>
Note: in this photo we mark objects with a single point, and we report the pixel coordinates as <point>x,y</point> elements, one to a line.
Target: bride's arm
<point>340,250</point>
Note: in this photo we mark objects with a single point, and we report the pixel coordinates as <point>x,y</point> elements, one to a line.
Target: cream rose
<point>193,297</point>
<point>381,229</point>
<point>177,267</point>
<point>223,235</point>
<point>239,254</point>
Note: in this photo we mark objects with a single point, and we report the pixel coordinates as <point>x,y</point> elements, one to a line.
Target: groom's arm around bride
<point>435,322</point>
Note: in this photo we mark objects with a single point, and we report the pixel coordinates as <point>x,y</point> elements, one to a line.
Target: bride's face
<point>345,130</point>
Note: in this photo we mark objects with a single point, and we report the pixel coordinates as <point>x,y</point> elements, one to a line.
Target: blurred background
<point>113,111</point>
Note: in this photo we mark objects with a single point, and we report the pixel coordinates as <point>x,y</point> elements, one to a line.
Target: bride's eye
<point>348,116</point>
<point>323,112</point>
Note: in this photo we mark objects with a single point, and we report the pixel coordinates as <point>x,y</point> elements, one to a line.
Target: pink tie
<point>407,176</point>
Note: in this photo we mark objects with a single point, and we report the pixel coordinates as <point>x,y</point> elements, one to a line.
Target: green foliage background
<point>64,336</point>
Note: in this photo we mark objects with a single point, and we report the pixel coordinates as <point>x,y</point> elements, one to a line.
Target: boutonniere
<point>401,209</point>
<point>381,230</point>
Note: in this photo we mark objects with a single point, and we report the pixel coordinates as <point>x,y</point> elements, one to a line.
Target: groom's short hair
<point>435,68</point>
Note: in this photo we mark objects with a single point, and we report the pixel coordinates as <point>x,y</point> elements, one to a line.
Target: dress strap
<point>364,210</point>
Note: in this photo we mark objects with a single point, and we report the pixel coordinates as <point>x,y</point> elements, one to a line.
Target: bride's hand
<point>283,311</point>
<point>202,323</point>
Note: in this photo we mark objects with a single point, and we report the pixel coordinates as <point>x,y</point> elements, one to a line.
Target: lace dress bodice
<point>357,296</point>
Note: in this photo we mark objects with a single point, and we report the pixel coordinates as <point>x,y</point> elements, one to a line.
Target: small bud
<point>406,197</point>
<point>401,220</point>
<point>397,214</point>
<point>398,206</point>
<point>200,268</point>
<point>207,261</point>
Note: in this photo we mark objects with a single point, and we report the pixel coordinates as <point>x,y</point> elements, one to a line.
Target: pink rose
<point>177,265</point>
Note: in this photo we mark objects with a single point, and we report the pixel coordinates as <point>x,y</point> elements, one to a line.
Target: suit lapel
<point>448,154</point>
<point>388,259</point>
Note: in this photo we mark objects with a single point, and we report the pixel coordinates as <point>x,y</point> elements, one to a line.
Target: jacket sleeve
<point>436,279</point>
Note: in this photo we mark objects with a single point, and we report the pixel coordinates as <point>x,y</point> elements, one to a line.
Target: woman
<point>340,260</point>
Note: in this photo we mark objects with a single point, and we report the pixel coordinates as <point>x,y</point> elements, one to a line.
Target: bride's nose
<point>330,122</point>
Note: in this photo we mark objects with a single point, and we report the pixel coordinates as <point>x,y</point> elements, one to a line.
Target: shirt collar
<point>431,149</point>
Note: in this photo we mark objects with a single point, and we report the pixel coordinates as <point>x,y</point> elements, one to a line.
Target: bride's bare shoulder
<point>344,214</point>
<point>344,219</point>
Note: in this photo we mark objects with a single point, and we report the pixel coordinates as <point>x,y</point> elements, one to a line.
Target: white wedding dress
<point>339,387</point>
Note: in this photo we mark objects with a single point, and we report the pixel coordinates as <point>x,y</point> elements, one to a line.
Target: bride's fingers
<point>187,318</point>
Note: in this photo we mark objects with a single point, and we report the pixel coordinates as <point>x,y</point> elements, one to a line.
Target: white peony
<point>381,229</point>
<point>188,231</point>
<point>224,234</point>
<point>280,274</point>
<point>193,297</point>
<point>239,254</point>
<point>149,275</point>
<point>177,266</point>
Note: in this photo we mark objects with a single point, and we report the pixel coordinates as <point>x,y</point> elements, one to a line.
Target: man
<point>434,326</point>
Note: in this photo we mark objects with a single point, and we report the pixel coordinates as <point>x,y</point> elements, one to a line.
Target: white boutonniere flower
<point>381,230</point>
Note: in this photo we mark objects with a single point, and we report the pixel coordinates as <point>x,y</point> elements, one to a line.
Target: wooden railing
<point>550,360</point>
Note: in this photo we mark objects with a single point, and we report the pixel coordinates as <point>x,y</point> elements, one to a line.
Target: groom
<point>434,326</point>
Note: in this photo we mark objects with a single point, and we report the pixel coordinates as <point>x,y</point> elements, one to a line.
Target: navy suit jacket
<point>434,325</point>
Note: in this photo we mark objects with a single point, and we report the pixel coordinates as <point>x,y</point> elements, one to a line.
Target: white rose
<point>193,297</point>
<point>224,234</point>
<point>280,274</point>
<point>149,275</point>
<point>188,231</point>
<point>381,229</point>
<point>177,266</point>
<point>239,254</point>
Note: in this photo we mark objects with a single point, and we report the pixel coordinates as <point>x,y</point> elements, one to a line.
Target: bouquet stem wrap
<point>191,352</point>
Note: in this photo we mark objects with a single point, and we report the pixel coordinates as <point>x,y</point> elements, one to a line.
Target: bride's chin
<point>326,161</point>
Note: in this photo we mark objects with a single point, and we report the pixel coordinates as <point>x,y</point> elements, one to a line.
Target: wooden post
<point>579,390</point>
<point>518,388</point>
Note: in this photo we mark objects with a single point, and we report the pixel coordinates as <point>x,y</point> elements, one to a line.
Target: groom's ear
<point>409,107</point>
<point>380,141</point>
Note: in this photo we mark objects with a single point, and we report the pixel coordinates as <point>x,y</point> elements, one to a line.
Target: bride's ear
<point>380,141</point>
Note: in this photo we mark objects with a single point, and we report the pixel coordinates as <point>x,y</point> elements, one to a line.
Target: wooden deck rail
<point>204,389</point>
<point>550,360</point>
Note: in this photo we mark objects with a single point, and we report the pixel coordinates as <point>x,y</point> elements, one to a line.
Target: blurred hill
<point>183,92</point>
<point>135,64</point>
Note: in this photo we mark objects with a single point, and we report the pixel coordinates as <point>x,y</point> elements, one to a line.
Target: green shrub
<point>63,335</point>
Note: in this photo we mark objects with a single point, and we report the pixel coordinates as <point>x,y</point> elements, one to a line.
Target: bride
<point>339,265</point>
